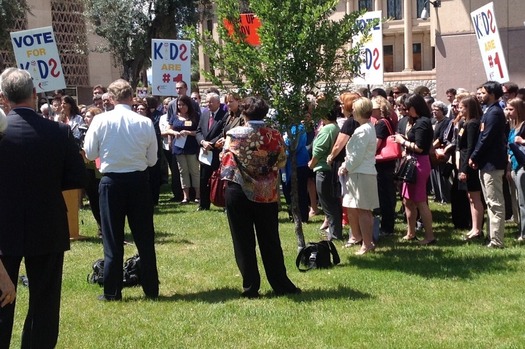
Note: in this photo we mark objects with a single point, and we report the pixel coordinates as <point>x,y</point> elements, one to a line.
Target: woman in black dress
<point>468,134</point>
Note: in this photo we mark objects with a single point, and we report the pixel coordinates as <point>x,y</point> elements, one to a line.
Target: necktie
<point>210,122</point>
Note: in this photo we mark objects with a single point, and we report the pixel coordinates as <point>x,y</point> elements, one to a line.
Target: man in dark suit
<point>490,157</point>
<point>208,132</point>
<point>39,159</point>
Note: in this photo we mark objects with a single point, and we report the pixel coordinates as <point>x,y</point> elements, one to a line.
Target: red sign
<point>249,25</point>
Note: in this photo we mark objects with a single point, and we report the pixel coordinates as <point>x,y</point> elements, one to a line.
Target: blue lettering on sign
<point>175,52</point>
<point>30,40</point>
<point>484,24</point>
<point>361,23</point>
<point>156,50</point>
<point>43,67</point>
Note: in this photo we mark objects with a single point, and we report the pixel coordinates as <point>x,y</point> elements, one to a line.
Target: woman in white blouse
<point>359,173</point>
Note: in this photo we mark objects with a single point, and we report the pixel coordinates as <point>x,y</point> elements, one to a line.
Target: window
<point>416,54</point>
<point>388,58</point>
<point>394,9</point>
<point>421,4</point>
<point>365,5</point>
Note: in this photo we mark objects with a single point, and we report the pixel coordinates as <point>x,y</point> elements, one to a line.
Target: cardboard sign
<point>249,26</point>
<point>372,68</point>
<point>170,63</point>
<point>486,30</point>
<point>36,51</point>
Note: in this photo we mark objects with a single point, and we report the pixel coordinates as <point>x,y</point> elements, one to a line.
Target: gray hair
<point>440,105</point>
<point>16,85</point>
<point>44,107</point>
<point>213,95</point>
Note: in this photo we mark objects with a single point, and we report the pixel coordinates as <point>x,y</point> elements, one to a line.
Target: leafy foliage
<point>303,52</point>
<point>10,12</point>
<point>129,25</point>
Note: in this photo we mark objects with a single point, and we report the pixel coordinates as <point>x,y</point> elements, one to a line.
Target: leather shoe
<point>105,298</point>
<point>250,295</point>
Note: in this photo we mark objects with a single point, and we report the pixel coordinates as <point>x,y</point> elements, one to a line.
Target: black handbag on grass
<point>406,169</point>
<point>317,255</point>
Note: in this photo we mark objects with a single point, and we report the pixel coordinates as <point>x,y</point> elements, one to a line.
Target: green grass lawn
<point>451,295</point>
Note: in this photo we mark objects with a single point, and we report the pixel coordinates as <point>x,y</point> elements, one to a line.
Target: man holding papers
<point>208,132</point>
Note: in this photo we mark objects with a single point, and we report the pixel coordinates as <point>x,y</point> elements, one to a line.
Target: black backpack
<point>317,255</point>
<point>97,275</point>
<point>131,272</point>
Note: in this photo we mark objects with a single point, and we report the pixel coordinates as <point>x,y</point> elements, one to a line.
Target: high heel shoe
<point>352,242</point>
<point>428,242</point>
<point>477,236</point>
<point>364,250</point>
<point>410,238</point>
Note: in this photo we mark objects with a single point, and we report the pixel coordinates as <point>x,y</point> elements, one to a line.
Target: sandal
<point>410,238</point>
<point>352,242</point>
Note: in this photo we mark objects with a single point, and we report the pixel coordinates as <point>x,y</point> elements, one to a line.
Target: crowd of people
<point>120,149</point>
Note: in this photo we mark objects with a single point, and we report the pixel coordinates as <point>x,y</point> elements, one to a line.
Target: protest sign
<point>36,51</point>
<point>486,30</point>
<point>249,24</point>
<point>170,62</point>
<point>372,68</point>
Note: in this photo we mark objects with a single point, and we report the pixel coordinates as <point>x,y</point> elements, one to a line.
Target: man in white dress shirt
<point>126,144</point>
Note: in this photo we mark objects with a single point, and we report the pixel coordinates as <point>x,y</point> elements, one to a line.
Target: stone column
<point>377,5</point>
<point>407,26</point>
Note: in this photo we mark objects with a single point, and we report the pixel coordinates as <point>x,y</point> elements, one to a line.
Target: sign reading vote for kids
<point>36,51</point>
<point>486,30</point>
<point>372,51</point>
<point>170,63</point>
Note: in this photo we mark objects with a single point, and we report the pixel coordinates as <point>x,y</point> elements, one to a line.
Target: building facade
<point>458,58</point>
<point>82,66</point>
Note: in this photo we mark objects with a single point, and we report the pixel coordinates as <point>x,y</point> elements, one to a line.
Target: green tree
<point>302,52</point>
<point>129,25</point>
<point>11,11</point>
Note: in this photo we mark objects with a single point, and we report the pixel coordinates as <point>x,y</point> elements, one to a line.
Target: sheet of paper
<point>205,156</point>
<point>180,142</point>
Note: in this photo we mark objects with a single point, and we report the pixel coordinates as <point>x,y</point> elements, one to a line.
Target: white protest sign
<point>170,62</point>
<point>486,29</point>
<point>372,68</point>
<point>36,51</point>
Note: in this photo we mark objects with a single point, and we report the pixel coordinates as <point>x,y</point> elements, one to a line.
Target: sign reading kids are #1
<point>36,51</point>
<point>486,29</point>
<point>372,50</point>
<point>170,63</point>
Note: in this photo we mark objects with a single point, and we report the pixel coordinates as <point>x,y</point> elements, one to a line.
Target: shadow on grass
<point>227,293</point>
<point>433,262</point>
<point>161,238</point>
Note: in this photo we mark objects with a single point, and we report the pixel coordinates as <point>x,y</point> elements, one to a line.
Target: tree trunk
<point>296,213</point>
